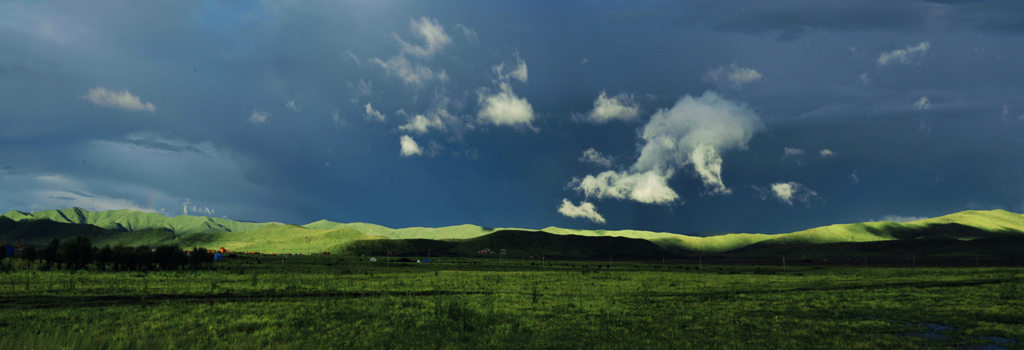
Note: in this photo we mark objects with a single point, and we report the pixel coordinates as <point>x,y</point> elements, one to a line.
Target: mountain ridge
<point>971,222</point>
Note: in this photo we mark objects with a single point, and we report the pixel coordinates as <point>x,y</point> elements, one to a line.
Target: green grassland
<point>312,302</point>
<point>993,234</point>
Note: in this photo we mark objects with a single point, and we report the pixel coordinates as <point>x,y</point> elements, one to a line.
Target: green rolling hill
<point>133,227</point>
<point>130,220</point>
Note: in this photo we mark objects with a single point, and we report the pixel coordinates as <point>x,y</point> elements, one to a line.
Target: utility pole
<point>783,263</point>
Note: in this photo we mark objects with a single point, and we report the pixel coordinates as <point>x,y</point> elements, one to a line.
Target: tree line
<point>78,253</point>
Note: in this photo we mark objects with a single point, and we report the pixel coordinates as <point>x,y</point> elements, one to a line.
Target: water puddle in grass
<point>932,333</point>
<point>935,333</point>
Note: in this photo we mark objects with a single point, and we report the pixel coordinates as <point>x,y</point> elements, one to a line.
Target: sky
<point>690,117</point>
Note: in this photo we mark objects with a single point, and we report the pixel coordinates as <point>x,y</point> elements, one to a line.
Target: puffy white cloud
<point>292,106</point>
<point>585,210</point>
<point>409,147</point>
<point>787,192</point>
<point>504,108</point>
<point>694,132</point>
<point>420,124</point>
<point>864,79</point>
<point>415,75</point>
<point>187,205</point>
<point>647,187</point>
<point>732,76</point>
<point>616,107</point>
<point>903,55</point>
<point>259,116</point>
<point>898,218</point>
<point>922,104</point>
<point>123,100</point>
<point>827,153</point>
<point>519,73</point>
<point>593,156</point>
<point>431,32</point>
<point>374,115</point>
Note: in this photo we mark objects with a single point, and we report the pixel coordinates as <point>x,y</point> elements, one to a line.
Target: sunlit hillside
<point>133,227</point>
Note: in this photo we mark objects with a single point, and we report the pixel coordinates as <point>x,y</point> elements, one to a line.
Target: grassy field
<point>349,302</point>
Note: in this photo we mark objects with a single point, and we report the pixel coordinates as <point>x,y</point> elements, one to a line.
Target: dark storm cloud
<point>309,68</point>
<point>791,19</point>
<point>788,21</point>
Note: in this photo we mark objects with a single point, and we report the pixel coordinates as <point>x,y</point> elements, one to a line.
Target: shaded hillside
<point>151,228</point>
<point>517,244</point>
<point>39,232</point>
<point>919,241</point>
<point>1005,249</point>
<point>130,220</point>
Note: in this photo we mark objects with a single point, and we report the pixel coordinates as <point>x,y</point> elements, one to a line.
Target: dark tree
<point>76,252</point>
<point>199,258</point>
<point>30,253</point>
<point>50,252</point>
<point>169,257</point>
<point>104,256</point>
<point>120,256</point>
<point>141,258</point>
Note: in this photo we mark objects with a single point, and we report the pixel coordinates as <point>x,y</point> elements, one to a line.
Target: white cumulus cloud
<point>693,133</point>
<point>787,192</point>
<point>119,99</point>
<point>293,106</point>
<point>431,32</point>
<point>374,115</point>
<point>827,153</point>
<point>409,147</point>
<point>585,210</point>
<point>504,108</point>
<point>789,151</point>
<point>648,187</point>
<point>420,124</point>
<point>616,107</point>
<point>732,76</point>
<point>259,116</point>
<point>518,73</point>
<point>903,55</point>
<point>593,156</point>
<point>412,74</point>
